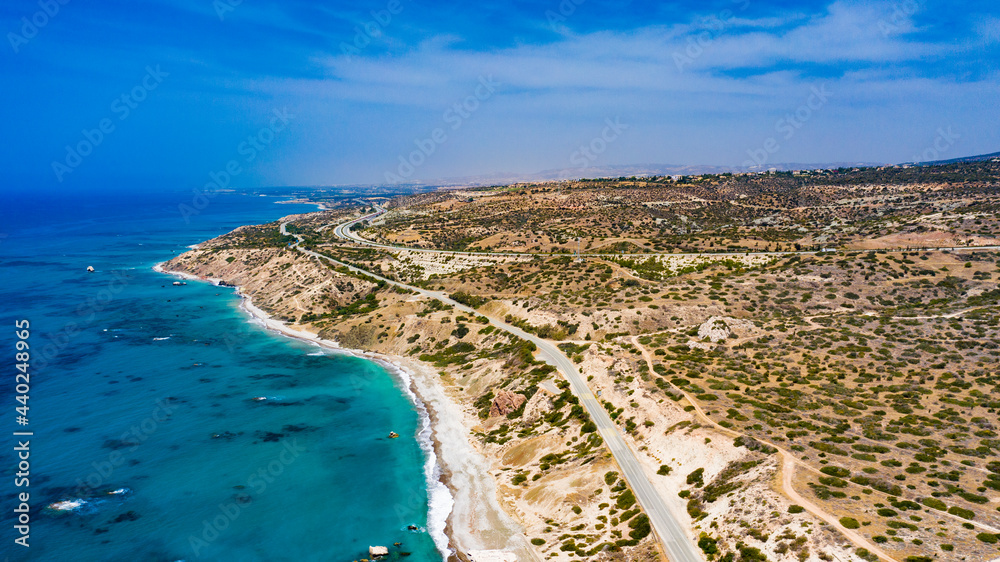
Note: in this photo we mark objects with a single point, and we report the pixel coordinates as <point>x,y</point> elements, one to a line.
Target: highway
<point>666,526</point>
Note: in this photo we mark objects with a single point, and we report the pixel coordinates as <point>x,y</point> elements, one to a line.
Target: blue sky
<point>322,93</point>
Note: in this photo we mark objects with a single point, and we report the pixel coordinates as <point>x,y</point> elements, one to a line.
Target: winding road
<point>667,527</point>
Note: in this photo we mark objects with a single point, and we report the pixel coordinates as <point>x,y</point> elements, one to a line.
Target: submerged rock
<point>127,516</point>
<point>115,444</point>
<point>269,436</point>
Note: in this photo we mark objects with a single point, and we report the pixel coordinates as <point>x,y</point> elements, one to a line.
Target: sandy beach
<point>464,513</point>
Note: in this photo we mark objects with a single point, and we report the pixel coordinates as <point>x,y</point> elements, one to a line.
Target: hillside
<point>835,396</point>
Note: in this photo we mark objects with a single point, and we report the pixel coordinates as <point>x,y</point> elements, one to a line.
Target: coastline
<point>463,511</point>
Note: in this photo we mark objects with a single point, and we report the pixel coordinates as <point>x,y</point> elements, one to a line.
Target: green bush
<point>973,498</point>
<point>694,508</point>
<point>904,505</point>
<point>473,301</point>
<point>865,555</point>
<point>835,471</point>
<point>850,523</point>
<point>935,503</point>
<point>988,538</point>
<point>963,513</point>
<point>697,478</point>
<point>664,470</point>
<point>832,481</point>
<point>707,544</point>
<point>538,542</point>
<point>749,553</point>
<point>796,509</point>
<point>640,527</point>
<point>626,500</point>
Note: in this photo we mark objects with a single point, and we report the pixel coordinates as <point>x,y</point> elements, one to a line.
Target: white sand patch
<point>444,264</point>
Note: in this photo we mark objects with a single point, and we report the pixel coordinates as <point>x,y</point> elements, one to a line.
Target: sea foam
<point>439,499</point>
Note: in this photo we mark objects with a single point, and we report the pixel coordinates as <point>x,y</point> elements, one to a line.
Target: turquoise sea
<point>146,411</point>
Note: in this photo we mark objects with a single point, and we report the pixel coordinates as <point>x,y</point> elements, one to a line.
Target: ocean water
<point>146,410</point>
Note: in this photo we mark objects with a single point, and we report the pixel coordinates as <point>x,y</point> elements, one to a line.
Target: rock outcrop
<point>506,402</point>
<point>718,328</point>
<point>282,282</point>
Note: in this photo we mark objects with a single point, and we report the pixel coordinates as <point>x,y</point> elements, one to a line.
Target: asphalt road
<point>667,528</point>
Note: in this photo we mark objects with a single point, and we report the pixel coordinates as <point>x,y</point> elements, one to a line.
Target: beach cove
<point>463,512</point>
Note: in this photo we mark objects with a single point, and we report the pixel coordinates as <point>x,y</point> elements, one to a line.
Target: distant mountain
<point>793,166</point>
<point>629,170</point>
<point>593,172</point>
<point>963,160</point>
